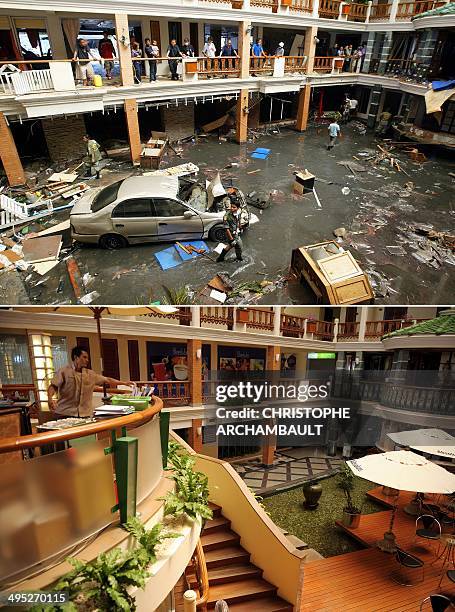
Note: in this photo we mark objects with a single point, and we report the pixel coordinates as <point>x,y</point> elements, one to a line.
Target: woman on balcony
<point>209,51</point>
<point>152,52</point>
<point>136,53</point>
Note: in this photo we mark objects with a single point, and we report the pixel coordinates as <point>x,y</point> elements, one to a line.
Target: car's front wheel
<point>218,233</point>
<point>113,241</point>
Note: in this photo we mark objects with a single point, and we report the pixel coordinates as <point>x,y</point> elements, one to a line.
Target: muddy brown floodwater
<point>378,212</point>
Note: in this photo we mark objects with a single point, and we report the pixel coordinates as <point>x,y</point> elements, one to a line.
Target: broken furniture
<point>153,151</point>
<point>304,182</point>
<point>189,69</point>
<point>332,273</point>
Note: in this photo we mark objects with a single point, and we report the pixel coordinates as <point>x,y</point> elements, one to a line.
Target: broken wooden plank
<point>75,277</point>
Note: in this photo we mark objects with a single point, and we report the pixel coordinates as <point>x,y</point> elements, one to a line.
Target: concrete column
<point>273,364</point>
<point>9,155</point>
<point>124,49</point>
<point>241,129</point>
<point>335,329</point>
<point>399,366</point>
<point>195,437</point>
<point>244,48</point>
<point>196,316</point>
<point>385,52</point>
<point>194,347</point>
<point>132,124</point>
<point>185,30</point>
<point>363,323</point>
<point>303,108</point>
<point>368,52</point>
<point>393,10</point>
<point>309,48</point>
<point>374,107</point>
<point>56,38</point>
<point>277,320</point>
<point>425,50</point>
<point>315,12</point>
<point>368,13</point>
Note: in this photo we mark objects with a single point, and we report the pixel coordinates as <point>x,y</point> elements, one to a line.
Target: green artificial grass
<point>317,527</point>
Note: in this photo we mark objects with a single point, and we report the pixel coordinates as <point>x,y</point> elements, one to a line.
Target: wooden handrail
<point>41,439</point>
<point>203,576</point>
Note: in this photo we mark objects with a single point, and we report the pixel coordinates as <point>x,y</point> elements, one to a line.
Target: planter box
<point>243,316</point>
<point>190,67</point>
<point>346,8</point>
<point>339,63</point>
<point>286,2</point>
<point>311,327</point>
<point>237,4</point>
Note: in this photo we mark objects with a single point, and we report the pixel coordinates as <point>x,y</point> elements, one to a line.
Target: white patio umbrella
<point>430,441</point>
<point>405,471</point>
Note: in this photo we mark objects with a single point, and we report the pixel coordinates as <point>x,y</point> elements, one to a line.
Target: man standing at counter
<point>75,384</point>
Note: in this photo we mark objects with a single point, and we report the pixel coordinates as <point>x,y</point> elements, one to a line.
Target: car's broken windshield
<point>106,196</point>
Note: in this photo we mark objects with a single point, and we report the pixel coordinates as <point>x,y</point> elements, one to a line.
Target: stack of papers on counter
<point>112,411</point>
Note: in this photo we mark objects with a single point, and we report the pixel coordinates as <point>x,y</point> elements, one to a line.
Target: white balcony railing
<point>24,82</point>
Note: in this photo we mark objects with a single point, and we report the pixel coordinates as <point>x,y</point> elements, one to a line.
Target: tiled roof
<point>447,9</point>
<point>443,324</point>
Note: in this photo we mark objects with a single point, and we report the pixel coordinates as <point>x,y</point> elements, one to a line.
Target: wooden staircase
<point>232,576</point>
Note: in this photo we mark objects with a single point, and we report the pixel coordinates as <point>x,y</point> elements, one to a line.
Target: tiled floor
<point>286,470</point>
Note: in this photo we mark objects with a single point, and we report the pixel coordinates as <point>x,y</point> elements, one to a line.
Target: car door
<point>175,221</point>
<point>134,219</point>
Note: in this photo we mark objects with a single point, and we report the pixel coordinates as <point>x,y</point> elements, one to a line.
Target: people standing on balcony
<point>348,58</point>
<point>228,51</point>
<point>334,51</point>
<point>152,51</point>
<point>279,51</point>
<point>334,131</point>
<point>173,51</point>
<point>83,56</point>
<point>258,53</point>
<point>362,51</point>
<point>136,54</point>
<point>187,48</point>
<point>107,53</point>
<point>209,51</point>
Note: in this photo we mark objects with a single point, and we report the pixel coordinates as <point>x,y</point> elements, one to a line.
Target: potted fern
<point>346,482</point>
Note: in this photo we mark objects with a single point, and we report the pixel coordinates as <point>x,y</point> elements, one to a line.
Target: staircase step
<point>239,591</point>
<point>231,573</point>
<point>215,509</point>
<point>228,555</point>
<point>217,524</point>
<point>219,539</point>
<point>264,604</point>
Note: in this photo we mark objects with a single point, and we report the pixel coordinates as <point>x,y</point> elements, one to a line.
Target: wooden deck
<point>361,581</point>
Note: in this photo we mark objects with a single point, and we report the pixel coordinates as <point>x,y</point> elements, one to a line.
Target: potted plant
<point>243,315</point>
<point>311,325</point>
<point>346,482</point>
<point>312,491</point>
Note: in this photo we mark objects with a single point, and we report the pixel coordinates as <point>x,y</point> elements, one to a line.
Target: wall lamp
<point>249,29</point>
<point>198,353</point>
<point>316,39</point>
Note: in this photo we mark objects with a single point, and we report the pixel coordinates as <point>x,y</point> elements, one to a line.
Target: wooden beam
<point>241,129</point>
<point>124,50</point>
<point>9,155</point>
<point>303,108</point>
<point>132,124</point>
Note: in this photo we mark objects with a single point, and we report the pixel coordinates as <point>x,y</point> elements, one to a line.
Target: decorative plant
<point>148,539</point>
<point>178,296</point>
<point>346,482</point>
<point>191,495</point>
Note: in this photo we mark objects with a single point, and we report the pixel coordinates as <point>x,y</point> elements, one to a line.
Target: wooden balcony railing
<point>295,63</point>
<point>183,316</point>
<point>329,9</point>
<point>218,66</point>
<point>292,326</point>
<point>380,12</point>
<point>261,319</point>
<point>323,64</point>
<point>171,392</point>
<point>374,65</point>
<point>222,315</point>
<point>399,67</point>
<point>304,6</point>
<point>348,330</point>
<point>271,4</point>
<point>357,12</point>
<point>262,65</point>
<point>322,331</point>
<point>406,10</point>
<point>376,329</point>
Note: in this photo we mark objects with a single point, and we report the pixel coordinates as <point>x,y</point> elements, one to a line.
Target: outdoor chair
<point>406,562</point>
<point>439,603</point>
<point>430,528</point>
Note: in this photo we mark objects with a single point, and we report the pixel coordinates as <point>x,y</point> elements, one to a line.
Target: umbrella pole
<point>388,543</point>
<point>97,314</point>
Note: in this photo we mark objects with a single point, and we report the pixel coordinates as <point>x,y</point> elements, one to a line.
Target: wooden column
<point>9,155</point>
<point>132,124</point>
<point>309,47</point>
<point>195,439</point>
<point>241,117</point>
<point>303,108</point>
<point>269,442</point>
<point>244,49</point>
<point>124,50</point>
<point>195,371</point>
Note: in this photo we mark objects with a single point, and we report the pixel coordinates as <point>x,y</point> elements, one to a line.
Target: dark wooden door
<point>110,358</point>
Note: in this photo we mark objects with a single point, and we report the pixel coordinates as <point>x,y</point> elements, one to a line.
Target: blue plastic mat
<point>259,150</point>
<point>169,258</point>
<point>197,244</point>
<point>440,85</point>
<point>259,155</point>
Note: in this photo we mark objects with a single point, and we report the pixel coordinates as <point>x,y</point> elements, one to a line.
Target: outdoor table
<point>448,552</point>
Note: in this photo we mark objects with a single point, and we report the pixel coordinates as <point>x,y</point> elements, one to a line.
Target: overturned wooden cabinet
<point>332,273</point>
